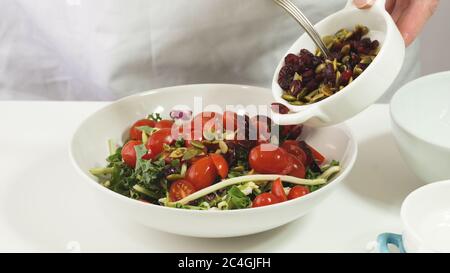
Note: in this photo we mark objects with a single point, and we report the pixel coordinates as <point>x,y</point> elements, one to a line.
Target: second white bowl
<point>420,114</point>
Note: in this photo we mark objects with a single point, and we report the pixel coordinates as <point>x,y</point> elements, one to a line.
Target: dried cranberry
<point>330,75</point>
<point>291,59</point>
<point>308,75</point>
<point>294,132</point>
<point>312,85</point>
<point>295,88</point>
<point>285,77</point>
<point>316,61</point>
<point>375,44</point>
<point>354,59</point>
<point>345,76</point>
<point>319,77</point>
<point>279,108</point>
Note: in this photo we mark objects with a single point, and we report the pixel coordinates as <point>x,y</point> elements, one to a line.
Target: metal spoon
<point>288,6</point>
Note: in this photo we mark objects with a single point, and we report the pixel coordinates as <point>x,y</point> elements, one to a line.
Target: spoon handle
<point>289,7</point>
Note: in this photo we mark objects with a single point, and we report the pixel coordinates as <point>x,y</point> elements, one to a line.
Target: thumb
<point>364,4</point>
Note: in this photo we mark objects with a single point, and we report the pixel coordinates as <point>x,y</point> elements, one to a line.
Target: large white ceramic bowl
<point>369,86</point>
<point>88,149</point>
<point>420,114</point>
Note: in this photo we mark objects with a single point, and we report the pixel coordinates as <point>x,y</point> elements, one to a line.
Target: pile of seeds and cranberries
<point>214,161</point>
<point>309,78</point>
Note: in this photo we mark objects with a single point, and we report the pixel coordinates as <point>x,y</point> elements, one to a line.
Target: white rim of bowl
<point>395,98</point>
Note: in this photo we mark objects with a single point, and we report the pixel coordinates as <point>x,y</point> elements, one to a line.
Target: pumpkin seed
<point>302,94</point>
<point>320,68</point>
<point>327,40</point>
<point>223,147</point>
<point>366,60</point>
<point>338,77</point>
<point>296,103</point>
<point>174,177</point>
<point>190,153</point>
<point>326,90</point>
<point>346,59</point>
<point>318,97</point>
<point>357,70</point>
<point>346,49</point>
<point>177,153</point>
<point>289,97</point>
<point>348,35</point>
<point>363,29</point>
<point>238,169</point>
<point>335,64</point>
<point>197,144</point>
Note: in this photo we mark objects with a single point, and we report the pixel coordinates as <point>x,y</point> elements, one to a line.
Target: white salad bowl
<point>368,87</point>
<point>420,113</point>
<point>88,149</point>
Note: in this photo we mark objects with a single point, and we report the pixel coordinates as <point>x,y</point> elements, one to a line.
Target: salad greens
<point>168,178</point>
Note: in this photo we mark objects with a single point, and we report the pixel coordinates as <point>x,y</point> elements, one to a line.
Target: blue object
<point>386,239</point>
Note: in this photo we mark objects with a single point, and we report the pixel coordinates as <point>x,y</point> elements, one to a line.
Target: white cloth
<point>107,49</point>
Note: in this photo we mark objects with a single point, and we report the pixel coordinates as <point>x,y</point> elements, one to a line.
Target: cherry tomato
<point>230,120</point>
<point>202,173</point>
<point>221,164</point>
<point>129,153</point>
<point>292,147</point>
<point>317,156</point>
<point>156,141</point>
<point>180,189</point>
<point>297,191</point>
<point>165,123</point>
<point>207,121</point>
<point>136,134</point>
<point>278,190</point>
<point>265,199</point>
<point>270,159</point>
<point>298,169</point>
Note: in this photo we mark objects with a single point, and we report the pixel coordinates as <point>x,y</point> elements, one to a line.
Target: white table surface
<point>44,205</point>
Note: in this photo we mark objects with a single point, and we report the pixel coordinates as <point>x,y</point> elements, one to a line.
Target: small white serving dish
<point>368,87</point>
<point>425,216</point>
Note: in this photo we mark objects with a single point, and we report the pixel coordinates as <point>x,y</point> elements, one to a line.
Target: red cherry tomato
<point>317,156</point>
<point>156,141</point>
<point>202,173</point>
<point>265,199</point>
<point>136,134</point>
<point>207,121</point>
<point>297,191</point>
<point>270,159</point>
<point>298,169</point>
<point>230,120</point>
<point>292,147</point>
<point>278,190</point>
<point>129,153</point>
<point>165,123</point>
<point>180,189</point>
<point>221,164</point>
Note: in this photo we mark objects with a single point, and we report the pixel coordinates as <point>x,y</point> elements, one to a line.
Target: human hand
<point>409,15</point>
